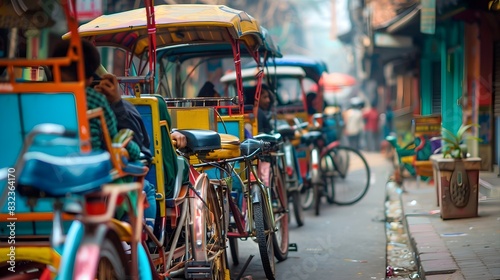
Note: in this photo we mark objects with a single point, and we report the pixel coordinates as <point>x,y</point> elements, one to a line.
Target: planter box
<point>457,185</point>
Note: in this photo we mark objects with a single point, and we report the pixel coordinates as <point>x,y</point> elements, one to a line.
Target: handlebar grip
<point>266,146</point>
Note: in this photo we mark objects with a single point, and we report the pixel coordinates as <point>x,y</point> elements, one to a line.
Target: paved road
<point>345,242</point>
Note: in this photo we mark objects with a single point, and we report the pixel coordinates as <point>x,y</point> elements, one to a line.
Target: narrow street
<point>345,242</point>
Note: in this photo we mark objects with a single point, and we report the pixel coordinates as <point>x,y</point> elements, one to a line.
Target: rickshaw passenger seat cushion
<point>230,148</point>
<point>310,137</point>
<point>201,140</point>
<point>59,176</point>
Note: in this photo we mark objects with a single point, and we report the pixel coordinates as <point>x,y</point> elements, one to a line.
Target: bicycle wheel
<point>307,195</point>
<point>354,175</point>
<point>207,240</point>
<point>235,252</point>
<point>111,262</point>
<point>265,235</point>
<point>328,176</point>
<point>317,197</point>
<point>280,212</point>
<point>216,247</point>
<point>298,212</point>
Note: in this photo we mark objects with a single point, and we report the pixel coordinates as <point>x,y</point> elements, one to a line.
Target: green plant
<point>453,145</point>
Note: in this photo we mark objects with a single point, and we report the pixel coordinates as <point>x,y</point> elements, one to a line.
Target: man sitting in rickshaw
<point>128,117</point>
<point>95,100</point>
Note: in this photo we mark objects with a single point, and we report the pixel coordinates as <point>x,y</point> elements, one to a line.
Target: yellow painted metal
<point>175,24</point>
<point>44,255</point>
<point>123,229</point>
<point>234,118</point>
<point>193,118</point>
<point>230,148</point>
<point>152,102</point>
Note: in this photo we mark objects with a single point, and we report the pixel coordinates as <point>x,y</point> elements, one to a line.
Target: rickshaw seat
<point>272,138</point>
<point>201,140</point>
<point>230,148</point>
<point>59,176</point>
<point>310,137</point>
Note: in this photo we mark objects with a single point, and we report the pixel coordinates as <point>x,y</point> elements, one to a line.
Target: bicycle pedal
<point>198,270</point>
<point>292,247</point>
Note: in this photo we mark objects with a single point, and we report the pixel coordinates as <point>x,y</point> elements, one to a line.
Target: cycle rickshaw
<point>60,196</point>
<point>183,31</point>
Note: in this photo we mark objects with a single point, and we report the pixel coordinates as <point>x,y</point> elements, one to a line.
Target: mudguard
<point>71,245</point>
<point>87,257</point>
<point>256,193</point>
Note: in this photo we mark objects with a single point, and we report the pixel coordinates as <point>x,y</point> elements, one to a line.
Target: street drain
<point>401,262</point>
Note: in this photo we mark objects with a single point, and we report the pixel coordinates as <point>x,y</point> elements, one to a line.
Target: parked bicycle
<point>293,178</point>
<point>339,173</point>
<point>257,210</point>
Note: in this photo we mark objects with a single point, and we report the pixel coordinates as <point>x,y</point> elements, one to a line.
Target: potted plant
<point>457,175</point>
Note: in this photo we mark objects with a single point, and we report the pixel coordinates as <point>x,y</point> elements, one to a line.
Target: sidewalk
<point>452,249</point>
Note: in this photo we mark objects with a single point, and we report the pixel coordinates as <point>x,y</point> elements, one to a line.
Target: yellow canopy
<point>175,24</point>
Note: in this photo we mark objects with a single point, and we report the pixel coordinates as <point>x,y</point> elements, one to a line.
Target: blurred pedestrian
<point>353,119</point>
<point>371,118</point>
<point>389,117</point>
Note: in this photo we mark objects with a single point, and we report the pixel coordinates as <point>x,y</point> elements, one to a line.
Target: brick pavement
<point>452,249</point>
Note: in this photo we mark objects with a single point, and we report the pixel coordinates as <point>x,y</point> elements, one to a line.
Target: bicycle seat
<point>310,137</point>
<point>275,139</point>
<point>250,146</point>
<point>199,140</point>
<point>58,176</point>
<point>286,132</point>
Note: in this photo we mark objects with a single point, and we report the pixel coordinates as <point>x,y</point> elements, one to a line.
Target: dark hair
<point>207,90</point>
<point>249,94</point>
<point>309,102</point>
<point>91,58</point>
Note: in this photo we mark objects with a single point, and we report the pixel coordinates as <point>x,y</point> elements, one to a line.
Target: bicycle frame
<point>243,215</point>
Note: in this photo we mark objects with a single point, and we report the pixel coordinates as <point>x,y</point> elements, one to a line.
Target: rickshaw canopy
<point>184,52</point>
<point>314,68</point>
<point>175,25</point>
<point>278,71</point>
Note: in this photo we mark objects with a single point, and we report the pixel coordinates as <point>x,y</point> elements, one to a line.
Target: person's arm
<point>179,138</point>
<point>122,118</point>
<point>95,100</point>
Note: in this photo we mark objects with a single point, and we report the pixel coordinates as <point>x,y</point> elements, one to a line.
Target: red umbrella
<point>335,81</point>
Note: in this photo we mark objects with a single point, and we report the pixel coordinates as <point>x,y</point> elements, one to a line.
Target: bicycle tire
<point>328,176</point>
<point>281,214</point>
<point>298,212</point>
<point>207,238</point>
<point>216,247</point>
<point>235,252</point>
<point>307,196</point>
<point>111,256</point>
<point>353,183</point>
<point>264,235</point>
<point>317,198</point>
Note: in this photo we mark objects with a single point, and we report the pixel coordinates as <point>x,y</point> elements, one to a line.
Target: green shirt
<point>98,100</point>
